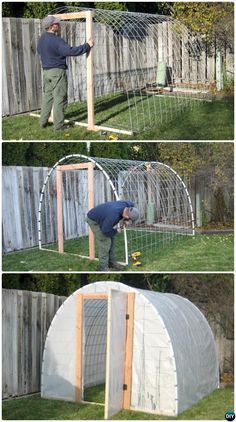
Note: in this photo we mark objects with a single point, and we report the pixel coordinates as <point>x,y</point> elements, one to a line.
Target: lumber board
<point>90,73</point>
<point>81,166</point>
<point>129,350</point>
<point>79,348</point>
<point>73,15</point>
<point>59,212</point>
<point>95,296</point>
<point>90,206</point>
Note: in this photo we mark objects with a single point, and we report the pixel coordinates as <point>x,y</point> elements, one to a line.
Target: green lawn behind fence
<point>212,407</point>
<point>190,253</point>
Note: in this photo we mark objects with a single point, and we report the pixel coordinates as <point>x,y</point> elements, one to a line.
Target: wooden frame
<point>79,348</point>
<point>88,15</point>
<point>90,167</point>
<point>128,348</point>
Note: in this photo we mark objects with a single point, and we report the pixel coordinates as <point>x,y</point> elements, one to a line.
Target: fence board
<point>21,191</point>
<point>25,321</point>
<point>113,54</point>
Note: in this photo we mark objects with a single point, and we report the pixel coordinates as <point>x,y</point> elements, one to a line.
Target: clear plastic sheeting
<point>174,355</point>
<point>161,196</point>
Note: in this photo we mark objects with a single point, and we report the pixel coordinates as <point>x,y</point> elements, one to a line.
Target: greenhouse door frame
<point>65,167</point>
<point>129,330</point>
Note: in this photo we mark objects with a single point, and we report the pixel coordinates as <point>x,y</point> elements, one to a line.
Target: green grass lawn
<point>211,121</point>
<point>197,253</point>
<point>212,407</point>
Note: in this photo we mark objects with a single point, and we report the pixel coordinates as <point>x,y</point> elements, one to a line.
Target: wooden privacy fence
<point>114,56</point>
<point>26,317</point>
<point>21,192</point>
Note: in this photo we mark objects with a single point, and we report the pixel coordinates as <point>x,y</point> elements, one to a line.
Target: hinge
<point>127,316</point>
<point>125,386</point>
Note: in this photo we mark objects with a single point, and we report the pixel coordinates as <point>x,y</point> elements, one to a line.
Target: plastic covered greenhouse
<point>155,352</point>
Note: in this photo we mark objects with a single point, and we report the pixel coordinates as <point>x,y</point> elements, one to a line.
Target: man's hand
<point>90,42</point>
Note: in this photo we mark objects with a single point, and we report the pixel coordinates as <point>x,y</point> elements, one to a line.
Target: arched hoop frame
<point>154,61</point>
<point>156,189</point>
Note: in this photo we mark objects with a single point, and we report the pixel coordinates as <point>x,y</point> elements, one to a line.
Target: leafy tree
<point>66,284</point>
<point>163,8</point>
<point>214,160</point>
<point>111,6</point>
<point>110,149</point>
<point>145,151</point>
<point>13,155</point>
<point>44,154</point>
<point>58,284</point>
<point>13,9</point>
<point>212,20</point>
<point>39,10</point>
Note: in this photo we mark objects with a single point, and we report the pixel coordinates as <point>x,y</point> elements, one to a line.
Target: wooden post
<point>90,84</point>
<point>60,169</point>
<point>59,211</point>
<point>79,348</point>
<point>91,205</point>
<point>129,350</point>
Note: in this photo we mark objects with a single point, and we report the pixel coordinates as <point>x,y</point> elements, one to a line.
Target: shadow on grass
<point>208,121</point>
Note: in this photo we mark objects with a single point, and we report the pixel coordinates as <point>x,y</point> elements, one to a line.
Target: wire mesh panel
<point>94,342</point>
<point>147,68</point>
<point>163,201</point>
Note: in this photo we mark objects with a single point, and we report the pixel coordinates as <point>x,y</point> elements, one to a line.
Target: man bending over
<point>102,220</point>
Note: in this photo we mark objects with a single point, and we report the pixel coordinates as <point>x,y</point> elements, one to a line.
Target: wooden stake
<point>90,84</point>
<point>91,205</point>
<point>79,348</point>
<point>129,350</point>
<point>59,211</point>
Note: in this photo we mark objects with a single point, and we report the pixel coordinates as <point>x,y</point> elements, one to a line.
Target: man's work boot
<point>116,266</point>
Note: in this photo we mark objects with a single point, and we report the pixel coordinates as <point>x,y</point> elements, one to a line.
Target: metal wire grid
<point>157,190</point>
<point>94,342</point>
<point>138,42</point>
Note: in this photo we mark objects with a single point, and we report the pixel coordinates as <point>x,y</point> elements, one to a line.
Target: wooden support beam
<point>90,82</point>
<point>93,296</point>
<point>90,206</point>
<point>96,127</point>
<point>129,350</point>
<point>81,166</point>
<point>59,212</point>
<point>79,348</point>
<point>73,15</point>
